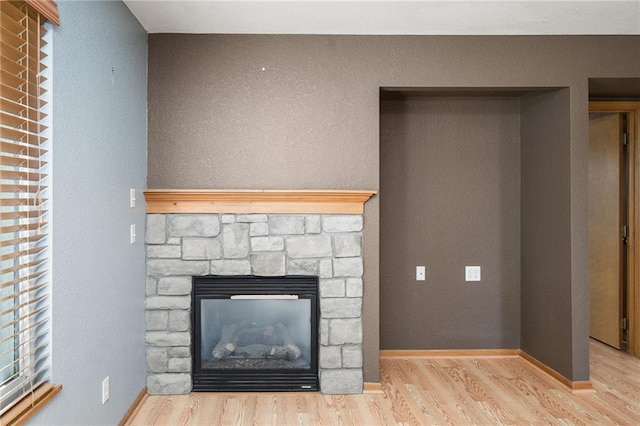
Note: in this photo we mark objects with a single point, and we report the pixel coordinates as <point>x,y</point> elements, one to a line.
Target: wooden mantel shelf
<point>256,201</point>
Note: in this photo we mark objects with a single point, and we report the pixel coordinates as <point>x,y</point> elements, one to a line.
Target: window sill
<point>29,405</point>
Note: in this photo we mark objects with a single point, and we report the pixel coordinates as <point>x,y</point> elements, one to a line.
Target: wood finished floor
<point>426,391</point>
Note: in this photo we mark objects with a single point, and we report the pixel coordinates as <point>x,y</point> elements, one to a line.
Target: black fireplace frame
<point>247,380</point>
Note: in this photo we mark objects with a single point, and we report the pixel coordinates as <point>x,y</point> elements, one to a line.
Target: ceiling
<point>452,17</point>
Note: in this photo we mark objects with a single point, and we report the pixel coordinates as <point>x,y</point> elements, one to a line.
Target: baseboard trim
<point>575,386</point>
<point>373,388</point>
<point>135,406</point>
<point>448,353</point>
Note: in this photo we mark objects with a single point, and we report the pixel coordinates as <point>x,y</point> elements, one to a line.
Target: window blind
<point>24,293</point>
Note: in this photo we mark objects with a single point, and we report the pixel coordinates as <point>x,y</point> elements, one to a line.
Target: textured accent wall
<point>546,236</point>
<point>99,66</point>
<point>457,160</point>
<point>255,111</point>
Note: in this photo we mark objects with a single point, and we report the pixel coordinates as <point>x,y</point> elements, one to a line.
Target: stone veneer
<point>180,246</point>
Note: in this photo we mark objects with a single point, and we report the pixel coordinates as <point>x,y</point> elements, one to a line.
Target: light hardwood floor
<point>425,391</point>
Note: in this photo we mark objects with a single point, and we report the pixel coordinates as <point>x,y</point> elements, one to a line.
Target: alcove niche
<point>477,176</point>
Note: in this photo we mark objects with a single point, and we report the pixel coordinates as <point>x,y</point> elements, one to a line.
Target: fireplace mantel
<point>256,201</point>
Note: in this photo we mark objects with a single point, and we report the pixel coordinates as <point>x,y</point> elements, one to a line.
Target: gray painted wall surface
<point>99,139</point>
<point>310,119</point>
<point>546,236</point>
<point>450,197</point>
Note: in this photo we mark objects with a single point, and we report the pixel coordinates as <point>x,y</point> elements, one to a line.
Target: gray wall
<point>99,140</point>
<point>450,197</point>
<point>546,236</point>
<point>458,190</point>
<point>310,119</point>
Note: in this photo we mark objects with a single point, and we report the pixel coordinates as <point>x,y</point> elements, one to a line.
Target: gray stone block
<point>235,241</point>
<point>352,356</point>
<point>345,331</point>
<point>156,320</point>
<point>302,267</point>
<point>354,287</point>
<point>309,246</point>
<point>267,244</point>
<point>286,225</point>
<point>156,229</point>
<point>169,384</point>
<point>251,218</point>
<point>151,283</point>
<point>341,307</point>
<point>163,251</point>
<point>268,264</point>
<point>258,229</point>
<point>313,224</point>
<point>161,338</point>
<point>228,218</point>
<point>174,286</point>
<point>324,332</point>
<point>179,365</point>
<point>201,248</point>
<point>330,357</point>
<point>348,245</point>
<point>230,267</point>
<point>341,381</point>
<point>201,225</point>
<point>348,223</point>
<point>177,267</point>
<point>179,320</point>
<point>179,352</point>
<point>157,360</point>
<point>332,288</point>
<point>326,268</point>
<point>174,241</point>
<point>347,267</point>
<point>168,302</point>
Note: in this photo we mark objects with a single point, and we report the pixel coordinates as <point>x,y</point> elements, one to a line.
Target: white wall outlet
<point>132,234</point>
<point>420,273</point>
<point>472,273</point>
<point>105,389</point>
<point>132,197</point>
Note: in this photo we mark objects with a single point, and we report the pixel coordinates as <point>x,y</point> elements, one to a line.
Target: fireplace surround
<point>270,234</point>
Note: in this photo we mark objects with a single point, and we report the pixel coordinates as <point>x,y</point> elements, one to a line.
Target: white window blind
<point>24,293</point>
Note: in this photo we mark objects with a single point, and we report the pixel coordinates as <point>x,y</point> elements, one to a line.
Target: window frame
<point>31,388</point>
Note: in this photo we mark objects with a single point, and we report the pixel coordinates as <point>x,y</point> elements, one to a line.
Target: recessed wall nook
<point>197,233</point>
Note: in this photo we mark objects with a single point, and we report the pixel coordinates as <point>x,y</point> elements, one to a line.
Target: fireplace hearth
<point>253,333</point>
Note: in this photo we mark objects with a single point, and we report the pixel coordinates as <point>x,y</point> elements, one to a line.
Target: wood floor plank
<point>459,402</point>
<point>406,408</point>
<point>208,409</point>
<point>425,391</point>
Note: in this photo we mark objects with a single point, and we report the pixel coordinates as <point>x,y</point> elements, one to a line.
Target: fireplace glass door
<point>255,333</point>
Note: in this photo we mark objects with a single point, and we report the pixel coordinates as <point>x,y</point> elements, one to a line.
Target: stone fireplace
<point>263,233</point>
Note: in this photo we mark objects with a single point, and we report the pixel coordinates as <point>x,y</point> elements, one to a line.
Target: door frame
<point>632,109</point>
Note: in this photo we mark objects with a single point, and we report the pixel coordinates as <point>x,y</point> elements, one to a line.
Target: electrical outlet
<point>105,389</point>
<point>472,273</point>
<point>420,273</point>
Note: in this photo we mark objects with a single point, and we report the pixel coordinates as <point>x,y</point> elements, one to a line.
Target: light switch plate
<point>132,198</point>
<point>472,273</point>
<point>420,273</point>
<point>132,234</point>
